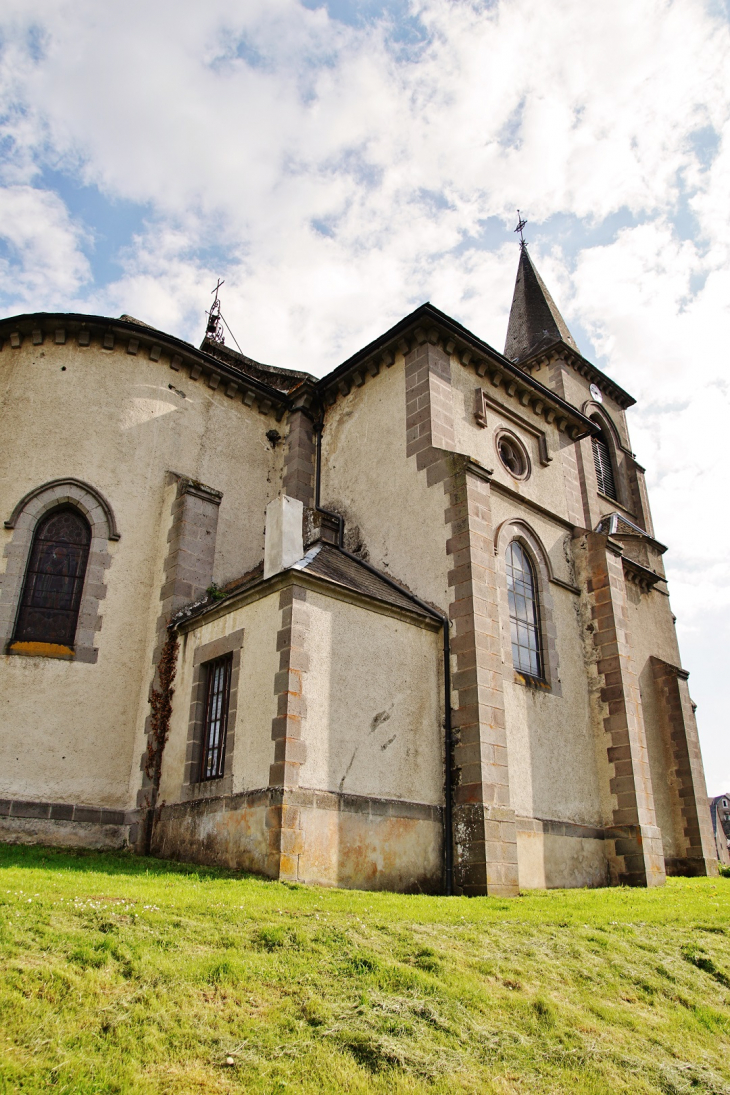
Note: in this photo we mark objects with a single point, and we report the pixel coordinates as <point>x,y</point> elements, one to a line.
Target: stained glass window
<point>49,606</point>
<point>523,616</point>
<point>215,723</point>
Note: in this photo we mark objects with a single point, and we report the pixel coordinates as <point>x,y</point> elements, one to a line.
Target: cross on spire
<point>521,222</point>
<point>214,330</point>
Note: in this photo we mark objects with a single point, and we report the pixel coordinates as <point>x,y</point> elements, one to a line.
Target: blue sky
<point>339,163</point>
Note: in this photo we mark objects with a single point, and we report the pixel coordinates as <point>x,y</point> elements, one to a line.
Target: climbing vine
<point>161,704</point>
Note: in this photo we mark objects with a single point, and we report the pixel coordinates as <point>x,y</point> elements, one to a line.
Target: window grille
<point>523,614</point>
<point>215,722</point>
<point>604,468</point>
<point>54,580</point>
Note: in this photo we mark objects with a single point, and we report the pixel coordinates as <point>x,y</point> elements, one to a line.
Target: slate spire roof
<point>534,320</point>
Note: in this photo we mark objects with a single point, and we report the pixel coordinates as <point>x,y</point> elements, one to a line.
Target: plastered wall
<point>545,483</point>
<point>547,861</point>
<point>366,476</point>
<point>112,420</point>
<point>373,693</point>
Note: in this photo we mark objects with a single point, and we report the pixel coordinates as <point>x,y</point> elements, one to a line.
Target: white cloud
<point>336,177</point>
<point>245,122</point>
<point>43,260</point>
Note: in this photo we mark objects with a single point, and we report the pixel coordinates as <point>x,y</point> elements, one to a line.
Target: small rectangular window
<point>215,722</point>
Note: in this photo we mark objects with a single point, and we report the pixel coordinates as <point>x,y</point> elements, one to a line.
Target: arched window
<point>523,614</point>
<point>49,605</point>
<point>604,467</point>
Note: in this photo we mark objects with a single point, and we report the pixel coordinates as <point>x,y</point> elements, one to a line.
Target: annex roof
<point>325,563</point>
<point>283,380</point>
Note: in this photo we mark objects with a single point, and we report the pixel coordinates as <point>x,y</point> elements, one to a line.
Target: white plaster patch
<point>140,410</point>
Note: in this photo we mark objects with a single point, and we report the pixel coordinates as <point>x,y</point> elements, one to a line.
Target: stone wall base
<point>690,867</point>
<point>560,855</point>
<point>635,855</point>
<point>351,841</point>
<point>64,834</point>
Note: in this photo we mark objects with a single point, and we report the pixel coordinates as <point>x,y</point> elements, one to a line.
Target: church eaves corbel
<point>575,360</point>
<point>131,337</point>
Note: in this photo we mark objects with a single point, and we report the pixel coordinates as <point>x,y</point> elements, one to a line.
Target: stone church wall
<point>120,423</point>
<point>671,731</point>
<point>335,768</point>
<point>250,750</point>
<point>554,782</point>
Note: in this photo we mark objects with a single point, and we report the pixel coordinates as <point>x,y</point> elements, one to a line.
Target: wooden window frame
<point>28,512</point>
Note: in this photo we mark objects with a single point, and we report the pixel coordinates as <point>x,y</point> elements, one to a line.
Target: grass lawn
<point>120,974</point>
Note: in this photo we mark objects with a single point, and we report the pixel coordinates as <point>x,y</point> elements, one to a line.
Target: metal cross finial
<point>521,222</point>
<point>214,330</point>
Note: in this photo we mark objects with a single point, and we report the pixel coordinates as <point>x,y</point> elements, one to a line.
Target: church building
<point>402,627</point>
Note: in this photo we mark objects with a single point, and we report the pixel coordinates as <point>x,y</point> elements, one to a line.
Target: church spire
<point>534,320</point>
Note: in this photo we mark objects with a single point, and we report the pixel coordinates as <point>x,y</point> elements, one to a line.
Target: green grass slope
<point>126,975</point>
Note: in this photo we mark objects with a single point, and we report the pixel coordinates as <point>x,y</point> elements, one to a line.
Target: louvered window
<point>54,581</point>
<point>604,468</point>
<point>215,723</point>
<point>523,614</point>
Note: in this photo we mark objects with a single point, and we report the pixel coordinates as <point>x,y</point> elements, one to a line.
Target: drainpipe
<point>444,621</point>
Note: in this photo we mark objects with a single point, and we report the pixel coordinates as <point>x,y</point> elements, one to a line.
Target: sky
<point>340,162</point>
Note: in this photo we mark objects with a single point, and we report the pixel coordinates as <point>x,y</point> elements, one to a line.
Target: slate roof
<point>616,524</point>
<point>323,560</point>
<point>284,380</point>
<point>534,319</point>
<point>327,561</point>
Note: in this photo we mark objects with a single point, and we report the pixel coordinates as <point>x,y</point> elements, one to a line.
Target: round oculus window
<point>513,456</point>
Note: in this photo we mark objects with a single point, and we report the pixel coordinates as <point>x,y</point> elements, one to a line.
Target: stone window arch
<point>54,581</point>
<point>25,520</point>
<point>516,531</point>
